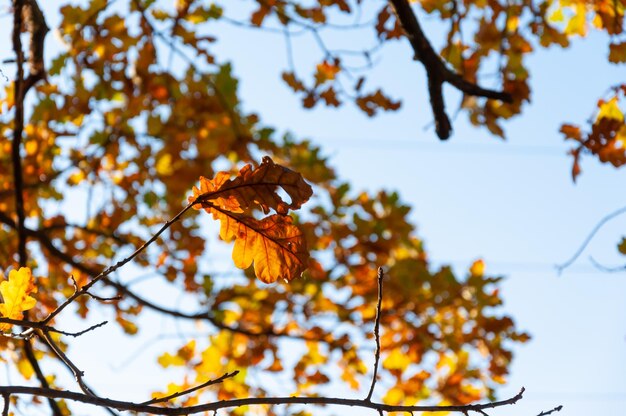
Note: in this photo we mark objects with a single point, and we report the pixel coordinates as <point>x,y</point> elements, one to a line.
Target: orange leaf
<point>326,71</point>
<point>254,186</point>
<point>15,293</point>
<point>274,244</point>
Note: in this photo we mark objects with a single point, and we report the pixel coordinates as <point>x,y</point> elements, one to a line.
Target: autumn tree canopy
<point>133,116</point>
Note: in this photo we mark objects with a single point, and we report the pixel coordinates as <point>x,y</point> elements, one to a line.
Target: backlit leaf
<point>274,244</point>
<point>15,295</point>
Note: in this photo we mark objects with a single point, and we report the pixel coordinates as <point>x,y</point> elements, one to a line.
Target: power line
<point>447,147</point>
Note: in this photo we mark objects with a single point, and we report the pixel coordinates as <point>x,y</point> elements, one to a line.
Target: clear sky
<point>511,203</point>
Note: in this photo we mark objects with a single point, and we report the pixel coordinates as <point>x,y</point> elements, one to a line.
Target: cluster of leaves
<point>607,138</point>
<point>124,129</point>
<point>481,38</point>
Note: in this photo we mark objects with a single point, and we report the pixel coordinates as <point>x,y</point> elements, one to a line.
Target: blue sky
<point>511,203</point>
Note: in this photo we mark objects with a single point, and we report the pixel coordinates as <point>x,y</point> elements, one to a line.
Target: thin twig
<point>46,328</point>
<point>111,269</point>
<point>598,226</point>
<point>78,373</point>
<point>191,390</point>
<point>235,403</point>
<point>32,359</point>
<point>96,297</point>
<point>549,412</point>
<point>606,269</point>
<point>381,275</point>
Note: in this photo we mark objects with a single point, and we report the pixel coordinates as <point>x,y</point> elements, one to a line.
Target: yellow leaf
<point>396,360</point>
<point>512,23</point>
<point>610,110</point>
<point>577,25</point>
<point>25,368</point>
<point>164,165</point>
<point>557,16</point>
<point>15,293</point>
<point>477,268</point>
<point>394,397</point>
<point>168,359</point>
<point>76,177</point>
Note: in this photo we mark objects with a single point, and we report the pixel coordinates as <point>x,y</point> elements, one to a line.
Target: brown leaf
<point>274,244</point>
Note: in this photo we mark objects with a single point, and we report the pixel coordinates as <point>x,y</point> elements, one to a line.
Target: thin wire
<point>459,147</point>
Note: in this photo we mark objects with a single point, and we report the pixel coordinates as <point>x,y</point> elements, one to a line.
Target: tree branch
<point>30,356</point>
<point>21,9</point>
<point>380,277</point>
<point>594,231</point>
<point>46,328</point>
<point>18,130</point>
<point>191,390</point>
<point>45,241</point>
<point>78,373</point>
<point>117,265</point>
<point>549,412</point>
<point>35,25</point>
<point>234,403</point>
<point>437,71</point>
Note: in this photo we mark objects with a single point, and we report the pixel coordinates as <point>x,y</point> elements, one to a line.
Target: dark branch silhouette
<point>225,404</point>
<point>437,71</point>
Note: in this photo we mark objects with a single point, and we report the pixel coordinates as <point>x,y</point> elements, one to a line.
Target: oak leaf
<point>274,244</point>
<point>15,293</point>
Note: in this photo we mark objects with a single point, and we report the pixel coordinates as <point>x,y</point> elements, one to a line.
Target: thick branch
<point>224,404</point>
<point>35,24</point>
<point>20,11</point>
<point>436,69</point>
<point>18,130</point>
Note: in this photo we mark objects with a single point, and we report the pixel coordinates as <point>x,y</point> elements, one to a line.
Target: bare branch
<point>96,297</point>
<point>549,412</point>
<point>437,71</point>
<point>84,290</point>
<point>46,328</point>
<point>32,359</point>
<point>380,277</point>
<point>191,390</point>
<point>78,374</point>
<point>36,26</point>
<point>606,269</point>
<point>594,231</point>
<point>234,403</point>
